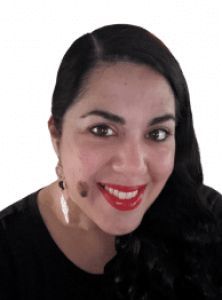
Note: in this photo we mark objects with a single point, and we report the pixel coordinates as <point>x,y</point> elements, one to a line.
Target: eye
<point>101,130</point>
<point>159,135</point>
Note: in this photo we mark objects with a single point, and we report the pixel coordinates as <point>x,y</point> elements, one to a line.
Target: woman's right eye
<point>101,131</point>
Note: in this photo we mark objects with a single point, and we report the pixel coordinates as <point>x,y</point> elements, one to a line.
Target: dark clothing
<point>31,264</point>
<point>33,267</point>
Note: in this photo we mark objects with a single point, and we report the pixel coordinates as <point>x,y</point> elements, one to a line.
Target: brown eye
<point>101,131</point>
<point>159,135</point>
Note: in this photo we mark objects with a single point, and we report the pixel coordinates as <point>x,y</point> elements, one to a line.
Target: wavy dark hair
<point>170,255</point>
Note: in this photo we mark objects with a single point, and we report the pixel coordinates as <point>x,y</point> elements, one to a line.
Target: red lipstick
<point>122,204</point>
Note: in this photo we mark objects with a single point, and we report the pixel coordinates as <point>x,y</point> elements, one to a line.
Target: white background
<point>34,35</point>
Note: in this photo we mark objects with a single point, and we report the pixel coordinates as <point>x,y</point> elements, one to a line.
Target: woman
<point>129,216</point>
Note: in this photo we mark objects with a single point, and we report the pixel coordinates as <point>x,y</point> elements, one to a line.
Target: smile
<point>122,197</point>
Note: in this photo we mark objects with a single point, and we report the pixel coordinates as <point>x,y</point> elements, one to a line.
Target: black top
<point>31,264</point>
<point>33,267</point>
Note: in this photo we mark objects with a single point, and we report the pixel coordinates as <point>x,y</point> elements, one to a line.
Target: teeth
<point>116,193</point>
<point>121,195</point>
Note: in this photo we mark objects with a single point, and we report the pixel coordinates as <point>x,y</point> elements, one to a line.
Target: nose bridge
<point>131,156</point>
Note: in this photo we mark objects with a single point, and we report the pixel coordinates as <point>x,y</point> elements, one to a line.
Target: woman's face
<point>121,133</point>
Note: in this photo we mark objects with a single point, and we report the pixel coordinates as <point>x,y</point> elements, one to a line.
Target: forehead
<point>126,85</point>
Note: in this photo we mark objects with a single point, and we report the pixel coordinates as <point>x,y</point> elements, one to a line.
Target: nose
<point>131,158</point>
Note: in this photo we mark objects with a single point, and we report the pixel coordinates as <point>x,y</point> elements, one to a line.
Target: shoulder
<point>14,221</point>
<point>17,220</point>
<point>211,199</point>
<point>16,213</point>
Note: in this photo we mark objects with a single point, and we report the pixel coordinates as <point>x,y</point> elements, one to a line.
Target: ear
<point>55,137</point>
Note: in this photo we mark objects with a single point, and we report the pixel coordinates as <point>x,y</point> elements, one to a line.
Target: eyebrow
<point>120,120</point>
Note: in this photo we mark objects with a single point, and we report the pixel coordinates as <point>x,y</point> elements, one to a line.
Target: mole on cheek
<point>83,188</point>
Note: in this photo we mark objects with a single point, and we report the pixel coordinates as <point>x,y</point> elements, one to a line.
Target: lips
<point>122,204</point>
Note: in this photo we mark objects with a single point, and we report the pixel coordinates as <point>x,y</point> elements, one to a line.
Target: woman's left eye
<point>159,135</point>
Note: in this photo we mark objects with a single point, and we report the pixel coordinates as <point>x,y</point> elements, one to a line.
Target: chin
<point>120,229</point>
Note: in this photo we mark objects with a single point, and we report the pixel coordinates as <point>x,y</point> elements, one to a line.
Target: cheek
<point>162,163</point>
<point>83,162</point>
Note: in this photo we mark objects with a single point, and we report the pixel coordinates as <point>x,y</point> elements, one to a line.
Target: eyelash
<point>153,132</point>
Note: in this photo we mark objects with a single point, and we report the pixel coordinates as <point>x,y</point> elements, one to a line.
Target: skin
<point>83,188</point>
<point>129,156</point>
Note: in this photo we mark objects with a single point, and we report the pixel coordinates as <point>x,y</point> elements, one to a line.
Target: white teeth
<point>121,195</point>
<point>116,193</point>
<point>131,194</point>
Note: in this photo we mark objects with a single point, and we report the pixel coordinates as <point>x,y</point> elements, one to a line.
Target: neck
<point>79,225</point>
<point>86,246</point>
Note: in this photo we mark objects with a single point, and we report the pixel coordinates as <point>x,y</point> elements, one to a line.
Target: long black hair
<point>164,257</point>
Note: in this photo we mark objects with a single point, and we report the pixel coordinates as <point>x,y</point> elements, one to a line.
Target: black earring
<point>61,185</point>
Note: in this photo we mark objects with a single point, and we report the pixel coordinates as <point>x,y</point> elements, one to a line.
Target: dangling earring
<point>65,208</point>
<point>61,183</point>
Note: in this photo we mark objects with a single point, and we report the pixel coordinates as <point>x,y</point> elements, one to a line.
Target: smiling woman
<point>116,145</point>
<point>129,216</point>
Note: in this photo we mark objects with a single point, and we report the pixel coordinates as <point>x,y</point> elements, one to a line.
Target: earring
<point>65,208</point>
<point>61,184</point>
<point>59,173</point>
